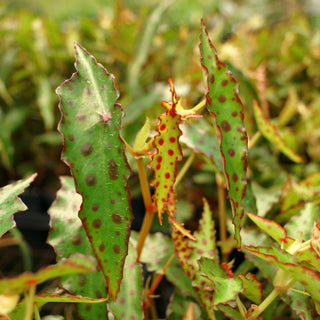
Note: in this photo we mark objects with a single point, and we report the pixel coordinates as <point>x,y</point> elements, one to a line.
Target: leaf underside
<point>226,108</point>
<point>90,125</point>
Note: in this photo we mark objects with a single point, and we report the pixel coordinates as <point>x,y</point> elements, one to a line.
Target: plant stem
<point>29,302</point>
<point>36,313</point>
<point>265,303</point>
<point>254,139</point>
<point>146,195</point>
<point>184,169</point>
<point>199,106</point>
<point>222,216</point>
<point>160,276</point>
<point>24,249</point>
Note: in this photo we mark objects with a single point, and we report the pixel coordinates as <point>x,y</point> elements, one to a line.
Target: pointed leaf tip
<point>226,107</point>
<point>90,124</point>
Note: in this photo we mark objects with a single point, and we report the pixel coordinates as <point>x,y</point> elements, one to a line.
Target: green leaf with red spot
<point>67,236</point>
<point>205,246</point>
<point>301,272</point>
<point>10,203</point>
<point>189,253</point>
<point>77,263</point>
<point>90,125</point>
<point>226,107</point>
<point>164,160</point>
<point>271,133</point>
<point>273,229</point>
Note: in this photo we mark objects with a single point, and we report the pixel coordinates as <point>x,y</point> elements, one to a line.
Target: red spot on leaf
<point>162,127</point>
<point>161,142</point>
<point>222,98</point>
<point>170,152</point>
<point>172,139</point>
<point>167,175</point>
<point>225,126</point>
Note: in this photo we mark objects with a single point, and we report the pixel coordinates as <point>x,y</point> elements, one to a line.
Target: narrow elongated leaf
<point>273,229</point>
<point>46,297</point>
<point>164,161</point>
<point>308,277</point>
<point>75,264</point>
<point>94,151</point>
<point>67,236</point>
<point>270,132</point>
<point>226,107</point>
<point>10,203</point>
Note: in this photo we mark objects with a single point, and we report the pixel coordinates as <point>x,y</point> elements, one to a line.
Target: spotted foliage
<point>90,125</point>
<point>129,303</point>
<point>67,236</point>
<point>10,203</point>
<point>226,107</point>
<point>168,153</point>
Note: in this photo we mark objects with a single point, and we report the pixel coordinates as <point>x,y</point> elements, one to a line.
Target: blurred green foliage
<point>272,47</point>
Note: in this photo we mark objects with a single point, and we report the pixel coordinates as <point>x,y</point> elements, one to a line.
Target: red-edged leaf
<point>164,160</point>
<point>226,107</point>
<point>252,287</point>
<point>273,229</point>
<point>90,125</point>
<point>270,132</point>
<point>308,277</point>
<point>315,238</point>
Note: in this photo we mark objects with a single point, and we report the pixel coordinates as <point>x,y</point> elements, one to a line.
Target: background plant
<point>285,190</point>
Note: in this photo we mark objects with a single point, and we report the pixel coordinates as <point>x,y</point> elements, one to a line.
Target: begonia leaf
<point>273,229</point>
<point>90,125</point>
<point>303,273</point>
<point>168,153</point>
<point>226,288</point>
<point>225,106</point>
<point>130,298</point>
<point>10,203</point>
<point>270,132</point>
<point>67,236</point>
<point>76,263</point>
